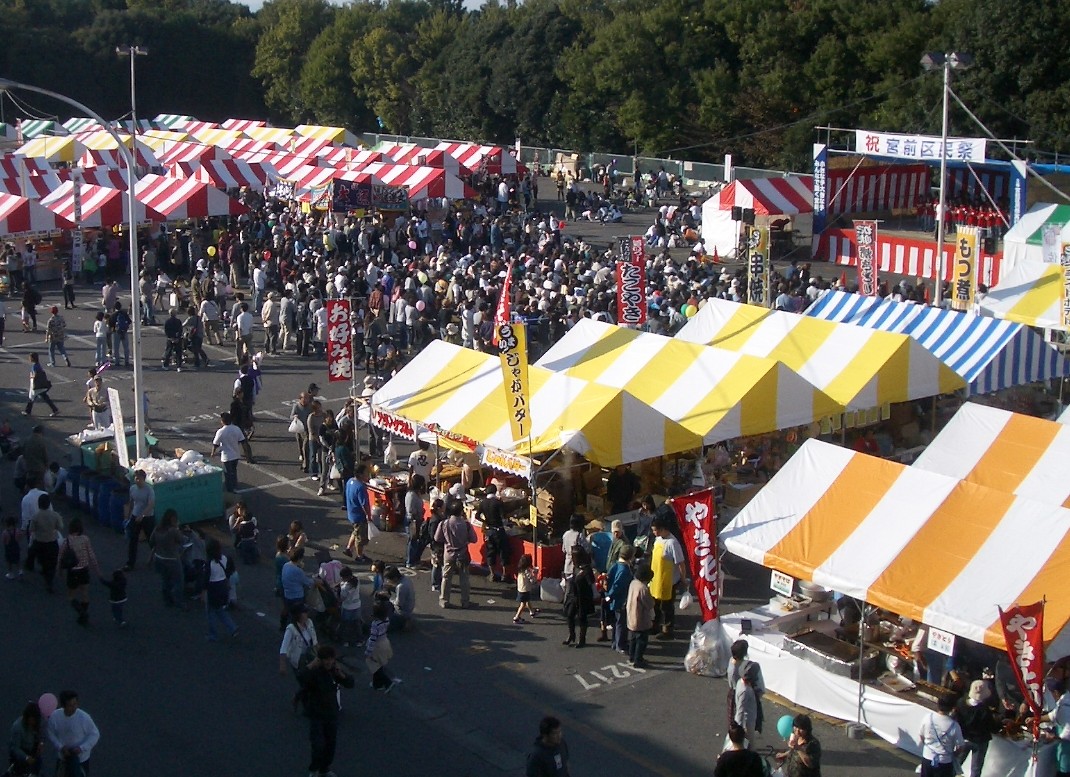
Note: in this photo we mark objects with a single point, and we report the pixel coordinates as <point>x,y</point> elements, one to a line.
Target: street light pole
<point>128,156</point>
<point>133,52</point>
<point>947,62</point>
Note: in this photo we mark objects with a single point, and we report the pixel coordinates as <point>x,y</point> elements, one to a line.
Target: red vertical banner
<point>1023,631</point>
<point>504,312</point>
<point>339,340</point>
<point>698,526</point>
<point>631,281</point>
<point>866,241</point>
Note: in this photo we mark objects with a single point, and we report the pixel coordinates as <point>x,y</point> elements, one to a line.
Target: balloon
<point>267,254</point>
<point>421,277</point>
<point>420,305</point>
<point>47,704</point>
<point>692,302</point>
<point>691,310</point>
<point>783,726</point>
<point>211,250</point>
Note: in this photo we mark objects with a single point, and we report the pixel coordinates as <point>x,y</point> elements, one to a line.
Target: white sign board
<point>781,583</point>
<point>119,427</point>
<point>942,642</point>
<point>919,147</point>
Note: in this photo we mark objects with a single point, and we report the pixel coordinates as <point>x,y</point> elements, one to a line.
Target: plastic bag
<point>390,455</point>
<point>295,427</point>
<point>709,651</point>
<point>373,530</point>
<point>686,600</point>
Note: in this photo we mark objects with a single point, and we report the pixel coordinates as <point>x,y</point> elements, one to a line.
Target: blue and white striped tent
<point>989,354</point>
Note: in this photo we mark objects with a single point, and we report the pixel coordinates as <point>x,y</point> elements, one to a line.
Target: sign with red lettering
<point>1023,631</point>
<point>866,240</point>
<point>631,281</point>
<point>339,340</point>
<point>396,425</point>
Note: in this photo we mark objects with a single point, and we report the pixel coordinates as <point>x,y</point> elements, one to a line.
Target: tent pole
<point>933,424</point>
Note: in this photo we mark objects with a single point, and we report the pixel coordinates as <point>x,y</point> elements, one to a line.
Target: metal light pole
<point>946,62</point>
<point>128,156</point>
<point>133,52</point>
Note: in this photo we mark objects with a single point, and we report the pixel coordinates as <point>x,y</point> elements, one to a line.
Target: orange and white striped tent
<point>943,551</point>
<point>1005,451</point>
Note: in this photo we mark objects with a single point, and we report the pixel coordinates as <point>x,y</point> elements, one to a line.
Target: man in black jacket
<point>549,756</point>
<point>172,330</point>
<point>319,683</point>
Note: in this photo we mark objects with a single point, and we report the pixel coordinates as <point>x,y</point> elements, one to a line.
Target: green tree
<point>290,27</point>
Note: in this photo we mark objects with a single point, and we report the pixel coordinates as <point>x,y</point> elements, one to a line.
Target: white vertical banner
<point>119,427</point>
<point>76,234</point>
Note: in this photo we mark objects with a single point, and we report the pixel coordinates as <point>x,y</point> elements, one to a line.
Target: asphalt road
<point>475,685</point>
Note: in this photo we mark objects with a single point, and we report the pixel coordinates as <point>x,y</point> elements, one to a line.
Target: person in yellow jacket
<point>668,562</point>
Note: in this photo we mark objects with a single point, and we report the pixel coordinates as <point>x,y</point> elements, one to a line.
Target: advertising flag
<point>1064,263</point>
<point>697,521</point>
<point>758,265</point>
<point>1023,631</point>
<point>339,340</point>
<point>965,276</point>
<point>866,240</point>
<point>631,281</point>
<point>513,351</point>
<point>503,312</point>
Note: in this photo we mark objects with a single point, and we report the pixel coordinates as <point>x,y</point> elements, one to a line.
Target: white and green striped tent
<point>173,120</point>
<point>32,128</point>
<point>1024,242</point>
<point>80,124</point>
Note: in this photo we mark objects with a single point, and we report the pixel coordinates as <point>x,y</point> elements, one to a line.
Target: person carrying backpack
<point>119,327</point>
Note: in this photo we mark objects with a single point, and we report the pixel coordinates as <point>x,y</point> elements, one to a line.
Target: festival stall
<point>1031,294</point>
<point>178,199</point>
<point>491,159</point>
<point>191,153</point>
<point>20,215</point>
<point>52,149</point>
<point>225,174</point>
<point>769,199</point>
<point>243,125</point>
<point>333,135</point>
<point>914,543</point>
<point>101,207</point>
<point>990,355</point>
<point>454,390</point>
<point>31,129</point>
<point>280,137</point>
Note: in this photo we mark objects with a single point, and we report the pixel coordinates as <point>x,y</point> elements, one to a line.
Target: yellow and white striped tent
<point>216,136</point>
<point>339,135</point>
<point>859,368</point>
<point>52,149</point>
<point>271,134</point>
<point>942,551</point>
<point>715,393</point>
<point>1031,294</point>
<point>1004,451</point>
<point>460,390</point>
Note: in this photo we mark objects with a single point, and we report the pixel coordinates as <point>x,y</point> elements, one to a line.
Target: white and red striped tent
<point>285,165</point>
<point>305,146</point>
<point>242,124</point>
<point>33,186</point>
<point>877,188</point>
<point>338,156</point>
<point>225,173</point>
<point>13,166</point>
<point>422,182</point>
<point>100,176</point>
<point>311,176</point>
<point>20,214</point>
<point>771,199</point>
<point>431,157</point>
<point>191,153</point>
<point>494,159</point>
<point>195,126</point>
<point>247,148</point>
<point>113,158</point>
<point>185,198</point>
<point>101,207</point>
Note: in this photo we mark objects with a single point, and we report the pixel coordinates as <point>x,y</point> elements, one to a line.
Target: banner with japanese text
<point>1023,631</point>
<point>964,278</point>
<point>698,525</point>
<point>1064,263</point>
<point>866,240</point>
<point>758,265</point>
<point>631,281</point>
<point>821,156</point>
<point>920,147</point>
<point>513,351</point>
<point>339,340</point>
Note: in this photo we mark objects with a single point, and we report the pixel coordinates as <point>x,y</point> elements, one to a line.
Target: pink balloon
<point>47,704</point>
<point>420,305</point>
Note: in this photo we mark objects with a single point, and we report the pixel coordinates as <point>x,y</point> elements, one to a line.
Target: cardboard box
<point>738,494</point>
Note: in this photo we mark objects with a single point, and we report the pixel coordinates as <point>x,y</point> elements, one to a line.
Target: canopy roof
<point>101,207</point>
<point>52,149</point>
<point>473,156</point>
<point>338,135</point>
<point>242,125</point>
<point>173,120</point>
<point>225,173</point>
<point>20,214</point>
<point>461,391</point>
<point>274,135</point>
<point>191,152</point>
<point>113,158</point>
<point>33,128</point>
<point>930,547</point>
<point>858,368</point>
<point>1031,293</point>
<point>345,156</point>
<point>179,198</point>
<point>770,196</point>
<point>987,353</point>
<point>421,182</point>
<point>1004,451</point>
<point>1024,241</point>
<point>717,394</point>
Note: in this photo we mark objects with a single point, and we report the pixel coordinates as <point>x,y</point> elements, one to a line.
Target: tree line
<point>693,79</point>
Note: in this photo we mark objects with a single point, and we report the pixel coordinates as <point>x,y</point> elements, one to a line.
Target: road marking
<point>610,675</point>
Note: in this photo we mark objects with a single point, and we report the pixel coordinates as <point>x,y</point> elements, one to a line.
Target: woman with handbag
<point>39,386</point>
<point>78,560</point>
<point>298,646</point>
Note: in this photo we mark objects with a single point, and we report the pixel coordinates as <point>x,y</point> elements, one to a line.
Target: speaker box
<point>989,245</point>
<point>748,215</point>
<point>737,213</point>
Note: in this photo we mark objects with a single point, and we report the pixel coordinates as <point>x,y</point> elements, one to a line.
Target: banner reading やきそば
<point>696,518</point>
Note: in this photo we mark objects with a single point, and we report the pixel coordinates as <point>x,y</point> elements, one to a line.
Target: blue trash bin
<point>74,478</point>
<point>118,509</point>
<point>103,506</point>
